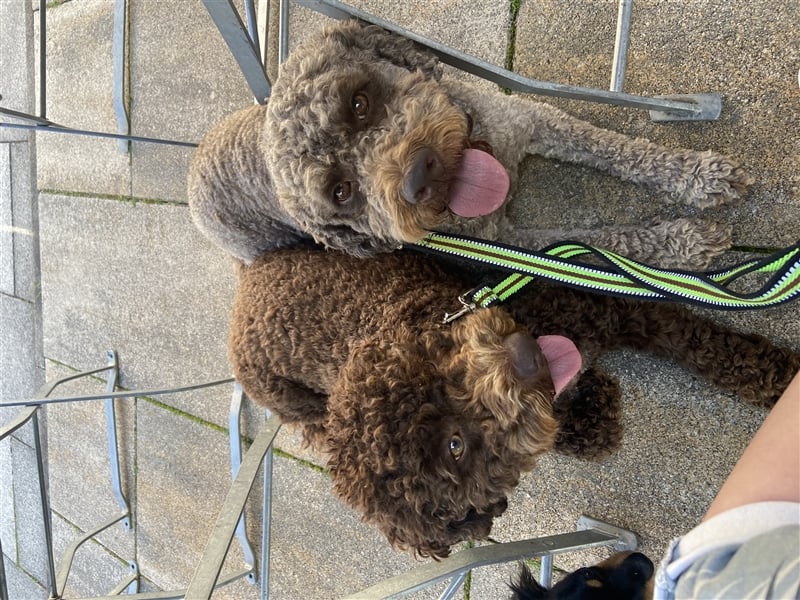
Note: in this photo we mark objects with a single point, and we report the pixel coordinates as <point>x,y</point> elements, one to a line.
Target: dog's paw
<point>589,417</point>
<point>770,369</point>
<point>671,244</point>
<point>712,180</point>
<point>689,243</point>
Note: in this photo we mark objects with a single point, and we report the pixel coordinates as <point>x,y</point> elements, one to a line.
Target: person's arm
<point>769,468</point>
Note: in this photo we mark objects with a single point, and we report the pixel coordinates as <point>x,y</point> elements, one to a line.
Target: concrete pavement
<point>122,267</point>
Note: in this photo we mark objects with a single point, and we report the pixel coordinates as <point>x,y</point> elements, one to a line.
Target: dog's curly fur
<point>359,142</point>
<point>427,427</point>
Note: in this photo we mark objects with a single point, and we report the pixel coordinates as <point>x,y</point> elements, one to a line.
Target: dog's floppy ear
<point>382,395</point>
<point>526,587</point>
<point>370,42</point>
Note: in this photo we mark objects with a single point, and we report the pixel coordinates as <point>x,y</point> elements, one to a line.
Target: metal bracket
<point>509,79</point>
<point>118,90</point>
<point>590,533</point>
<point>113,444</point>
<point>235,440</point>
<point>627,539</point>
<point>709,108</point>
<point>243,43</point>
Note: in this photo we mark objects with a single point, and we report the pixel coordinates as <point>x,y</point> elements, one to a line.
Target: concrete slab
<point>93,568</point>
<point>142,280</point>
<point>750,55</point>
<point>289,440</point>
<point>79,84</point>
<point>706,47</point>
<point>21,585</point>
<point>80,475</point>
<point>183,476</point>
<point>7,525</point>
<point>320,547</point>
<point>174,520</point>
<point>6,222</point>
<point>477,28</point>
<point>179,89</point>
<point>25,436</point>
<point>27,500</point>
<point>16,88</point>
<point>493,581</point>
<point>19,354</point>
<point>24,223</point>
<point>21,360</point>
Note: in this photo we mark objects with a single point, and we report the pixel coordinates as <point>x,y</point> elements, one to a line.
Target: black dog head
<point>624,576</point>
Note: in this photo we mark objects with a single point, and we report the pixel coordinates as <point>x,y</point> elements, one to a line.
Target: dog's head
<point>363,142</point>
<point>428,433</point>
<point>624,576</point>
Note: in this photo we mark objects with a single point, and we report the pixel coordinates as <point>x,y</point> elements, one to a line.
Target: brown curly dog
<point>365,145</point>
<point>428,426</point>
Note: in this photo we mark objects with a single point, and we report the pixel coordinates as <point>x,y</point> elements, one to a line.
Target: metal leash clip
<point>467,306</point>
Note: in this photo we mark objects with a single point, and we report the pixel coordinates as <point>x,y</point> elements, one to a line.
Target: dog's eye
<point>360,104</point>
<point>456,446</point>
<point>342,192</point>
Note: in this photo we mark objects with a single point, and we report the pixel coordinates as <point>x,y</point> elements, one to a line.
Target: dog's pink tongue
<point>480,186</point>
<point>563,359</point>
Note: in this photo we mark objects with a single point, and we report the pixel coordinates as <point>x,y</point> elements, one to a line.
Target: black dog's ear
<point>632,577</point>
<point>624,576</point>
<point>370,42</point>
<point>526,587</point>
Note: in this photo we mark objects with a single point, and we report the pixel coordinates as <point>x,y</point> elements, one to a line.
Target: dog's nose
<point>524,354</point>
<point>425,168</point>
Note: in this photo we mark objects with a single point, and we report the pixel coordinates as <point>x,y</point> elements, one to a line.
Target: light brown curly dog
<point>364,146</point>
<point>427,427</point>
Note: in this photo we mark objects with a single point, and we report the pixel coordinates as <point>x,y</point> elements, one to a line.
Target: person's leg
<point>769,468</point>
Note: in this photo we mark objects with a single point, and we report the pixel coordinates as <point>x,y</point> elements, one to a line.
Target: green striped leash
<point>618,275</point>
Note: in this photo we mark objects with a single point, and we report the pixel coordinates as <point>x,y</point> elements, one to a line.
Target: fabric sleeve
<point>751,551</point>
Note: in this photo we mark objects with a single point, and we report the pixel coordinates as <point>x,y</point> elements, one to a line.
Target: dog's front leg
<point>702,179</point>
<point>745,363</point>
<point>672,244</point>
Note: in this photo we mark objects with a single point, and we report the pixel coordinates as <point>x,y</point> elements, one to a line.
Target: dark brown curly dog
<point>427,427</point>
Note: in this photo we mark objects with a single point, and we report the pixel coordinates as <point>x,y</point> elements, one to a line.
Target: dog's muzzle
<point>482,520</point>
